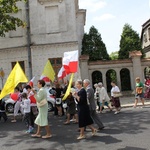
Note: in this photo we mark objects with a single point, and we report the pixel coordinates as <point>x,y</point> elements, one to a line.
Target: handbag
<point>58,101</point>
<point>65,105</point>
<point>139,90</point>
<point>117,95</point>
<point>42,103</point>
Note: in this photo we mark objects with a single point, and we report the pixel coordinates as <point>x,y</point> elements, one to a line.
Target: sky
<point>109,17</point>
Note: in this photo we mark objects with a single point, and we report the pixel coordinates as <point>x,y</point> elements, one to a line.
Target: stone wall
<point>57,26</point>
<point>134,64</point>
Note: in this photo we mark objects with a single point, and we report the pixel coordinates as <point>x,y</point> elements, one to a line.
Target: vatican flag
<point>48,72</point>
<point>16,76</point>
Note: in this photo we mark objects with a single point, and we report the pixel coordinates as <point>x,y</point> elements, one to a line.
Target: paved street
<point>129,130</point>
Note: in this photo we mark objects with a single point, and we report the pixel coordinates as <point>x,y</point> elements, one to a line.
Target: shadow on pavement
<point>132,148</point>
<point>128,121</point>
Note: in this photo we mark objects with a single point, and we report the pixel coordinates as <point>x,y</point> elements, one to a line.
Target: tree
<point>130,41</point>
<point>114,55</point>
<point>93,45</point>
<point>7,21</point>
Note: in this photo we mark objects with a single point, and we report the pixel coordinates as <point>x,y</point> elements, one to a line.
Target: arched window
<point>110,76</point>
<point>125,79</point>
<point>96,77</point>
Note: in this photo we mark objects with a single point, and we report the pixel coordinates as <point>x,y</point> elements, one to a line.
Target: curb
<point>131,105</point>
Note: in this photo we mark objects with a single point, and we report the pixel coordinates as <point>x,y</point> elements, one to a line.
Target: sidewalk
<point>129,102</point>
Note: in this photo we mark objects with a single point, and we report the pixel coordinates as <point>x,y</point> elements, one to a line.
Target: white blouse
<point>114,89</point>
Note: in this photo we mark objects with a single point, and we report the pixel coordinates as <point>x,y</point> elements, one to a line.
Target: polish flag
<point>31,82</point>
<point>46,79</point>
<point>61,73</point>
<point>31,97</point>
<point>70,61</point>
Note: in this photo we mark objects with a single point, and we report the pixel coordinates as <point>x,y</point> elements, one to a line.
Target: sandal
<point>35,136</point>
<point>94,132</point>
<point>14,121</point>
<point>81,137</point>
<point>66,123</point>
<point>46,136</point>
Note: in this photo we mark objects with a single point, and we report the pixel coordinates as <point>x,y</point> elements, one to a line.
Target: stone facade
<point>135,65</point>
<point>56,26</point>
<point>145,38</point>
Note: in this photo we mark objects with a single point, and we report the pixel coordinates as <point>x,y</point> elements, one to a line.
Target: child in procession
<point>26,107</point>
<point>33,107</point>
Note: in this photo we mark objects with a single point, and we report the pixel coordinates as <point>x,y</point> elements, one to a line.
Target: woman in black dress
<point>83,111</point>
<point>58,103</point>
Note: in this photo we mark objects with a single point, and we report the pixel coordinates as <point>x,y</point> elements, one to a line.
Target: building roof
<point>146,23</point>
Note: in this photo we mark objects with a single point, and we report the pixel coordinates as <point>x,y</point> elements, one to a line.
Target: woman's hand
<point>75,95</point>
<point>33,90</point>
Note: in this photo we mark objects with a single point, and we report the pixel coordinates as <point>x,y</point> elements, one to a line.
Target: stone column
<point>137,68</point>
<point>104,78</point>
<point>118,78</point>
<point>84,66</point>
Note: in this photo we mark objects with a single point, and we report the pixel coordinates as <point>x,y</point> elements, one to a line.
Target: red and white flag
<point>61,73</point>
<point>70,61</point>
<point>31,82</point>
<point>45,78</point>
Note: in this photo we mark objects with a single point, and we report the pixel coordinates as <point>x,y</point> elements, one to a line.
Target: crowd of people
<point>80,105</point>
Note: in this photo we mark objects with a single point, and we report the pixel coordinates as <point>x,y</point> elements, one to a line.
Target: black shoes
<point>101,128</point>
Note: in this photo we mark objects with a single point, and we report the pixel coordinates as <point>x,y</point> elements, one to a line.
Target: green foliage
<point>130,41</point>
<point>93,45</point>
<point>114,55</point>
<point>7,21</point>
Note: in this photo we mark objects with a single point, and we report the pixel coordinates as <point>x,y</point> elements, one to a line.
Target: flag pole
<point>69,87</point>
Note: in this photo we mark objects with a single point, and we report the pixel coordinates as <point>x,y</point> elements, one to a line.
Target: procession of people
<point>77,100</point>
<point>81,105</point>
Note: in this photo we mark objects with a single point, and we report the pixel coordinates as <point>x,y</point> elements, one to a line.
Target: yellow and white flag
<point>15,77</point>
<point>69,87</point>
<point>48,71</point>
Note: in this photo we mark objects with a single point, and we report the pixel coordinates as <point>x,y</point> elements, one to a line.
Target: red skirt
<point>115,101</point>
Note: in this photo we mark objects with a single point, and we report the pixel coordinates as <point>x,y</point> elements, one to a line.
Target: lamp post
<point>2,74</point>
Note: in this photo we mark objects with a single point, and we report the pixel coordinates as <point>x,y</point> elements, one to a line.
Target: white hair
<point>79,81</point>
<point>87,81</point>
<point>95,85</point>
<point>100,83</point>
